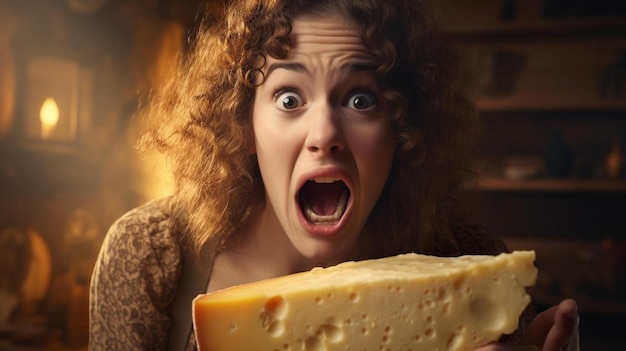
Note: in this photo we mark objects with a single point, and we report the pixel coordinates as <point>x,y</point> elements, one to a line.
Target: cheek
<point>263,131</point>
<point>268,143</point>
<point>269,159</point>
<point>374,148</point>
<point>275,138</point>
<point>374,159</point>
<point>273,150</point>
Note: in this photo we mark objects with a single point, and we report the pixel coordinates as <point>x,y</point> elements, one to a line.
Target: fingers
<point>556,328</point>
<point>540,326</point>
<point>565,329</point>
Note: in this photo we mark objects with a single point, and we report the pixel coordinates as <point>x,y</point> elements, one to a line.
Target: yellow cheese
<point>409,302</point>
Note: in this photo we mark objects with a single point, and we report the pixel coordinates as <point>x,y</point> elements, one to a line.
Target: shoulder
<point>135,279</point>
<point>148,238</point>
<point>152,218</point>
<point>144,230</point>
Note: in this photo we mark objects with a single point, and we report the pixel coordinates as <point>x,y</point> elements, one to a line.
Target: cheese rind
<point>406,302</point>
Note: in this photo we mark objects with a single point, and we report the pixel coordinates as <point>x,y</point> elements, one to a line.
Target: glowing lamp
<point>56,105</point>
<point>49,117</point>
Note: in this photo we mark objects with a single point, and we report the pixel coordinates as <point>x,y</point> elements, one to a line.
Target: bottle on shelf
<point>558,158</point>
<point>614,162</point>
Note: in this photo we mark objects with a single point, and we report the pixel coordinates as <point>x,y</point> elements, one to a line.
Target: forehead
<point>329,34</point>
<point>326,26</point>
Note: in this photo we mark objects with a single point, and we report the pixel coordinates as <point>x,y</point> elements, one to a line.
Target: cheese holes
<point>313,343</point>
<point>271,318</point>
<point>446,308</point>
<point>276,328</point>
<point>485,313</point>
<point>394,288</point>
<point>277,307</point>
<point>387,336</point>
<point>354,297</point>
<point>430,333</point>
<point>454,341</point>
<point>458,283</point>
<point>332,332</point>
<point>319,300</point>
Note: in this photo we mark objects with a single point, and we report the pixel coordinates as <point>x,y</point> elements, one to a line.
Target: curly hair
<point>205,128</point>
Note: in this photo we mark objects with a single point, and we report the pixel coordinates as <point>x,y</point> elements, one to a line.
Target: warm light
<point>49,113</point>
<point>49,117</point>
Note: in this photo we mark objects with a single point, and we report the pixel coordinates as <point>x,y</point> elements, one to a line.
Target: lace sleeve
<point>134,283</point>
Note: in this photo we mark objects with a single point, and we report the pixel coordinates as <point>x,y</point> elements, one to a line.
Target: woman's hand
<point>555,329</point>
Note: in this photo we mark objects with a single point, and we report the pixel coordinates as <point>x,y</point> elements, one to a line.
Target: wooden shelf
<point>529,101</point>
<point>551,185</point>
<point>563,75</point>
<point>538,29</point>
<point>481,20</point>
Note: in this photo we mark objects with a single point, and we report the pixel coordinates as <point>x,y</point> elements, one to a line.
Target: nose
<point>325,136</point>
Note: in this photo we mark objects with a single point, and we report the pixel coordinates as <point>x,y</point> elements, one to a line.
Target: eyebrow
<point>359,67</point>
<point>298,67</point>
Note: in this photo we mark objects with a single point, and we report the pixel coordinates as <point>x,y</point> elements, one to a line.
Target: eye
<point>362,100</point>
<point>287,99</point>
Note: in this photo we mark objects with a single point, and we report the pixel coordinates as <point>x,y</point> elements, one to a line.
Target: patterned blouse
<point>136,277</point>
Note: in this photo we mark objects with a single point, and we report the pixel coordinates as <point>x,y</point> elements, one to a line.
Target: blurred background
<point>550,80</point>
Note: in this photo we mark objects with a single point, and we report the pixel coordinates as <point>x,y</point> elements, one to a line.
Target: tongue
<point>323,197</point>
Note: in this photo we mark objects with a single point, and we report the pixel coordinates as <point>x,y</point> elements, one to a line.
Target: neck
<point>263,251</point>
<point>266,248</point>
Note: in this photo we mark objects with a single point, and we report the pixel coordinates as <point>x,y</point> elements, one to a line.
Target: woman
<point>301,134</point>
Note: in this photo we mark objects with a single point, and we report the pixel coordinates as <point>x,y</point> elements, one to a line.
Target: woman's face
<point>323,137</point>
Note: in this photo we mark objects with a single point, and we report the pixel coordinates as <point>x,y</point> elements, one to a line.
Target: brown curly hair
<point>205,125</point>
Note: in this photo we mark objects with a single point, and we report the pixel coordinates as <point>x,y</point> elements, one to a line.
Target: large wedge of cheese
<point>408,302</point>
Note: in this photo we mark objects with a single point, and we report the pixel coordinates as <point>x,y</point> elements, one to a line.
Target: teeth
<point>335,217</point>
<point>325,180</point>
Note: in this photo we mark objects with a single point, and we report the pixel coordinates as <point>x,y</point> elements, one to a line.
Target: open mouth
<point>324,200</point>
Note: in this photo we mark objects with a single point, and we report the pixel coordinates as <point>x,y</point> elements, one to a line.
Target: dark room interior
<point>550,82</point>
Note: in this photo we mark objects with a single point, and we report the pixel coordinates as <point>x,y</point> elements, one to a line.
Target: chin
<point>324,252</point>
